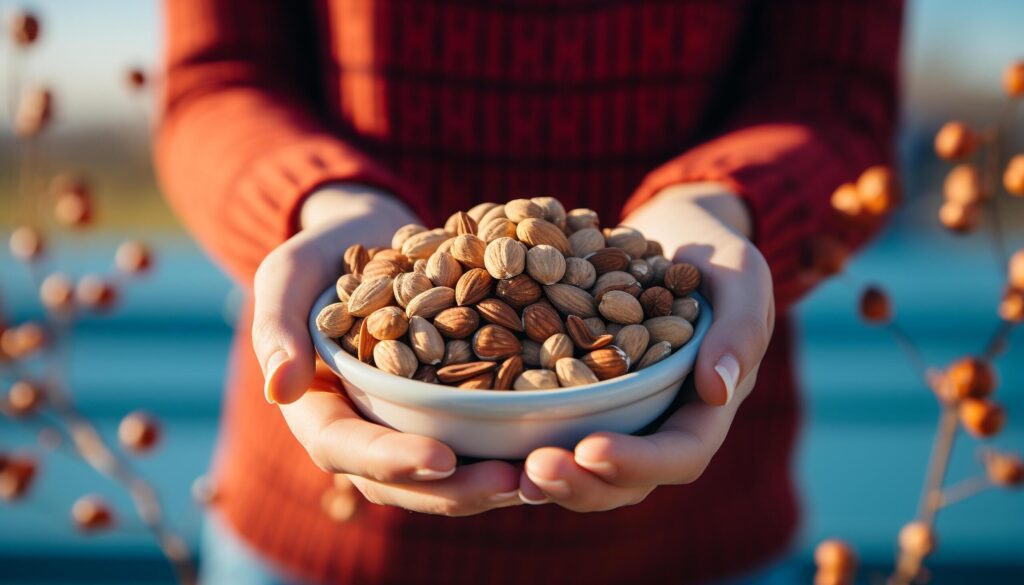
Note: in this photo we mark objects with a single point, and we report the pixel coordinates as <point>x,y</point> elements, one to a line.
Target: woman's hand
<point>707,226</point>
<point>388,467</point>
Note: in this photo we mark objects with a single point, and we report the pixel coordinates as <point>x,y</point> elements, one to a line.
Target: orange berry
<point>918,539</point>
<point>963,185</point>
<point>955,140</point>
<point>832,578</point>
<point>981,417</point>
<point>73,210</point>
<point>1011,307</point>
<point>35,111</point>
<point>203,490</point>
<point>1015,270</point>
<point>16,475</point>
<point>970,378</point>
<point>1005,469</point>
<point>135,78</point>
<point>827,256</point>
<point>23,340</point>
<point>24,398</point>
<point>959,218</point>
<point>138,432</point>
<point>835,556</point>
<point>57,292</point>
<point>26,243</point>
<point>23,28</point>
<point>875,306</point>
<point>878,190</point>
<point>846,200</point>
<point>95,293</point>
<point>92,514</point>
<point>1013,177</point>
<point>1013,79</point>
<point>133,257</point>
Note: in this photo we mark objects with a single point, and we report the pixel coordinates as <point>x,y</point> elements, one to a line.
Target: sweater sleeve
<point>240,142</point>
<point>817,106</point>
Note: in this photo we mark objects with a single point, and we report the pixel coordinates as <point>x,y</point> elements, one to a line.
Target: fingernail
<point>424,474</point>
<point>729,371</point>
<point>532,502</point>
<point>278,358</point>
<point>558,488</point>
<point>504,497</point>
<point>603,468</point>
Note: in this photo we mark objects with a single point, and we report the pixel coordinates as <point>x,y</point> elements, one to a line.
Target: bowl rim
<point>439,396</point>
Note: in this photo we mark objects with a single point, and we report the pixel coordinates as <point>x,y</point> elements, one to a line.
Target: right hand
<point>389,468</point>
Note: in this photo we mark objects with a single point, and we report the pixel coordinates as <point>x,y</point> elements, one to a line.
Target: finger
<point>339,441</point>
<point>473,489</point>
<point>740,289</point>
<point>551,474</point>
<point>286,284</point>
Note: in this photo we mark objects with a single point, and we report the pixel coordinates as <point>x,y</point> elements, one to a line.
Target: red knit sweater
<point>449,102</point>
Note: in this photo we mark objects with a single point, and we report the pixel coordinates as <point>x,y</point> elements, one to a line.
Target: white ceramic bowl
<point>509,424</point>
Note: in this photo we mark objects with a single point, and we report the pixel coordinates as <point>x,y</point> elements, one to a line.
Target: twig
<point>963,490</point>
<point>997,342</point>
<point>909,347</point>
<point>938,463</point>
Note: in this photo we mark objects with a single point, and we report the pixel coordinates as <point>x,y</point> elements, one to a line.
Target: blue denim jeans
<point>227,560</point>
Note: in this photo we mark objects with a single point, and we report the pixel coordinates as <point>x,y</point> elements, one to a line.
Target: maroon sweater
<point>450,102</point>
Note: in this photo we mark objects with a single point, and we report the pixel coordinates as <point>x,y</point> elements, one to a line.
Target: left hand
<point>706,225</point>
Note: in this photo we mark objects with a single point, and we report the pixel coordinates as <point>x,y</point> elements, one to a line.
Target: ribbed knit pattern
<point>450,102</point>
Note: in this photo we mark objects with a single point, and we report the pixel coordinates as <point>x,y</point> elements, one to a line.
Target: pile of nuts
<point>519,296</point>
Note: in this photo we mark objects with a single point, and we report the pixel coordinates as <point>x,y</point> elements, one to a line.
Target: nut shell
<point>584,336</point>
<point>656,301</point>
<point>536,380</point>
<point>457,322</point>
<point>554,348</point>
<point>430,302</point>
<point>621,307</point>
<point>607,362</point>
<point>571,300</point>
<point>579,273</point>
<point>408,285</point>
<point>518,291</point>
<point>633,339</point>
<point>675,330</point>
<point>443,269</point>
<point>505,258</point>
<point>395,357</point>
<point>499,312</point>
<point>540,321</point>
<point>474,286</point>
<point>493,342</point>
<point>371,295</point>
<point>469,250</point>
<point>507,372</point>
<point>519,210</point>
<point>682,279</point>
<point>387,323</point>
<point>426,341</point>
<point>654,354</point>
<point>585,242</point>
<point>609,260</point>
<point>573,372</point>
<point>534,232</point>
<point>545,264</point>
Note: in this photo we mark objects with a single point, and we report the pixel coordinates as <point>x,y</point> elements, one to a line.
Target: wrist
<point>716,199</point>
<point>344,202</point>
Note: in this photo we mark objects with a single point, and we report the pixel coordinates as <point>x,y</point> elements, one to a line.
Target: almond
<point>536,380</point>
<point>457,351</point>
<point>686,307</point>
<point>423,244</point>
<point>578,219</point>
<point>621,307</point>
<point>534,232</point>
<point>377,268</point>
<point>608,260</point>
<point>579,273</point>
<point>616,280</point>
<point>345,285</point>
<point>334,320</point>
<point>493,342</point>
<point>518,291</point>
<point>366,343</point>
<point>613,328</point>
<point>457,322</point>
<point>642,271</point>
<point>409,284</point>
<point>553,349</point>
<point>395,357</point>
<point>496,212</point>
<point>518,210</point>
<point>633,340</point>
<point>653,249</point>
<point>404,233</point>
<point>530,353</point>
<point>628,240</point>
<point>607,362</point>
<point>505,258</point>
<point>387,323</point>
<point>426,342</point>
<point>469,250</point>
<point>675,330</point>
<point>459,372</point>
<point>373,251</point>
<point>655,354</point>
<point>682,279</point>
<point>498,227</point>
<point>659,266</point>
<point>583,336</point>
<point>371,295</point>
<point>480,382</point>
<point>443,269</point>
<point>460,223</point>
<point>430,302</point>
<point>545,264</point>
<point>596,325</point>
<point>355,258</point>
<point>420,266</point>
<point>498,312</point>
<point>508,371</point>
<point>477,211</point>
<point>553,210</point>
<point>657,301</point>
<point>475,285</point>
<point>571,300</point>
<point>585,242</point>
<point>350,341</point>
<point>446,246</point>
<point>427,374</point>
<point>573,372</point>
<point>395,256</point>
<point>541,321</point>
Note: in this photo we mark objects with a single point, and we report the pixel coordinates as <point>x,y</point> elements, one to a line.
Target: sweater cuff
<point>785,173</point>
<point>263,206</point>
